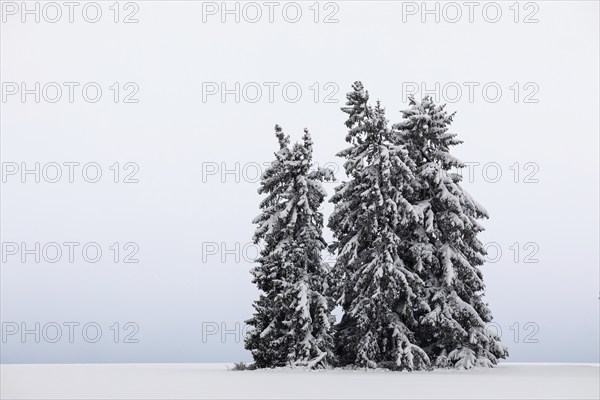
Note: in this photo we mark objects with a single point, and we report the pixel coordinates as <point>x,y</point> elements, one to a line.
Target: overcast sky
<point>196,102</point>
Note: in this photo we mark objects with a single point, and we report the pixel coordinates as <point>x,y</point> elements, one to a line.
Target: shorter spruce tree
<point>292,322</point>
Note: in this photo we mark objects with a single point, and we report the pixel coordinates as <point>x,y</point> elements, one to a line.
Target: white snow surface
<point>200,381</point>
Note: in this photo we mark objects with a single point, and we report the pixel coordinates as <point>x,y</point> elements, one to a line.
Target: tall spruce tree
<point>445,244</point>
<point>292,322</point>
<point>380,295</point>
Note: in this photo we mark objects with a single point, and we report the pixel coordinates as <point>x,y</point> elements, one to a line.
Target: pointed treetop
<point>357,99</point>
<point>357,86</point>
<point>284,140</point>
<point>308,143</point>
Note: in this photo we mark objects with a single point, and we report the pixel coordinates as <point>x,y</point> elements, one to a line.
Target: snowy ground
<point>187,381</point>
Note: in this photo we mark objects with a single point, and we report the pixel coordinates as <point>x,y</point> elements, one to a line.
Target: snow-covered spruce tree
<point>445,244</point>
<point>292,323</point>
<point>380,295</point>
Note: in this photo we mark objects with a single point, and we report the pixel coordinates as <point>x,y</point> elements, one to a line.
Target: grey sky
<point>197,157</point>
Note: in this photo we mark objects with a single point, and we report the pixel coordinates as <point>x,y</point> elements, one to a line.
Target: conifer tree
<point>292,322</point>
<point>379,294</point>
<point>445,244</point>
